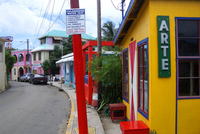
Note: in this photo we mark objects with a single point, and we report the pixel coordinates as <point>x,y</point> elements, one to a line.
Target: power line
<point>20,44</point>
<point>56,18</point>
<point>62,20</point>
<point>51,13</point>
<point>38,21</point>
<point>43,20</point>
<point>114,5</point>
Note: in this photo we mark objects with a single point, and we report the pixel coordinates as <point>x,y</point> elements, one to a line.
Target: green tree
<point>68,46</point>
<point>55,56</point>
<point>46,66</point>
<point>109,32</point>
<point>110,75</point>
<point>9,61</point>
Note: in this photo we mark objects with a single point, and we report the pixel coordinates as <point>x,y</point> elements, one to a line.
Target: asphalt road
<point>33,109</point>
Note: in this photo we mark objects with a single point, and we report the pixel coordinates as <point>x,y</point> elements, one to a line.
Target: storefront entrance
<point>21,71</point>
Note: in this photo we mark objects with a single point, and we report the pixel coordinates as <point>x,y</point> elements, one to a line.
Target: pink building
<point>23,64</point>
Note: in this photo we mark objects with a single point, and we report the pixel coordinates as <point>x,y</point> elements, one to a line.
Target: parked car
<point>25,77</point>
<point>38,78</point>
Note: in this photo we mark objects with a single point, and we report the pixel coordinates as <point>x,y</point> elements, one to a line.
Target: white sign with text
<point>75,21</point>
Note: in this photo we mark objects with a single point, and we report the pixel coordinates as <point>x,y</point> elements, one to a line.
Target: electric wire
<point>51,13</point>
<point>62,20</point>
<point>114,5</point>
<point>56,18</point>
<point>20,44</point>
<point>38,22</point>
<point>43,19</point>
<point>46,14</point>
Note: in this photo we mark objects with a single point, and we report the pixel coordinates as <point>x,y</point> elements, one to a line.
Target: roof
<point>20,50</point>
<point>3,40</point>
<point>44,47</point>
<point>129,18</point>
<point>58,33</point>
<point>67,55</point>
<point>66,58</point>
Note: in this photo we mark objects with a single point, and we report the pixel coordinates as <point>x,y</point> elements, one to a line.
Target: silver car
<point>25,77</point>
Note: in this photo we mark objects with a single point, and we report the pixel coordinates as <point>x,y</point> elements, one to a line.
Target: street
<point>33,109</point>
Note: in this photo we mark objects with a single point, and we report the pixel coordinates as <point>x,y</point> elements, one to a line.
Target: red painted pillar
<point>80,92</point>
<point>90,77</point>
<point>83,53</point>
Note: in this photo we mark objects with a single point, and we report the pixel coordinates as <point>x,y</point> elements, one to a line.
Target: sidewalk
<point>95,124</point>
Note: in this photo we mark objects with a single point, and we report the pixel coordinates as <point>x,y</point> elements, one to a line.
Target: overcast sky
<point>30,19</point>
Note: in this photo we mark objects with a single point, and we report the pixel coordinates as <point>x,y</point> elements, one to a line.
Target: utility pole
<point>123,9</point>
<point>79,72</point>
<point>28,54</point>
<point>99,40</point>
<point>99,27</point>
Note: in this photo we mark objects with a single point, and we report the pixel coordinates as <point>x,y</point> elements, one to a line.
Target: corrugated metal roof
<point>43,47</point>
<point>58,33</point>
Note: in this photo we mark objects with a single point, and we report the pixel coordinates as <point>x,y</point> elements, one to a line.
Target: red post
<point>78,63</point>
<point>90,77</point>
<point>84,64</point>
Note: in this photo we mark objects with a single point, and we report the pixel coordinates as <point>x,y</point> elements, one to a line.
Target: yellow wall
<point>163,90</point>
<point>139,30</point>
<point>188,116</point>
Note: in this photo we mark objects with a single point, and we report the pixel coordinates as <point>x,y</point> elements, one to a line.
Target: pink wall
<point>49,40</point>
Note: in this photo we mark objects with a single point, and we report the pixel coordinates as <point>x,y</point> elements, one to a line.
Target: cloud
<point>21,18</point>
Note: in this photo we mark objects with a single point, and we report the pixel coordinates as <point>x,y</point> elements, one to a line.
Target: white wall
<point>2,67</point>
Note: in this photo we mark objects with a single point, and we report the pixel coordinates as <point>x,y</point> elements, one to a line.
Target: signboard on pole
<point>75,21</point>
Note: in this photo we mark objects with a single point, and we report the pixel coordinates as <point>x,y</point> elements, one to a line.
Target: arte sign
<point>75,21</point>
<point>164,62</point>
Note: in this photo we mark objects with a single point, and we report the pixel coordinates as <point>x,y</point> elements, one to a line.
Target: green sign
<point>164,63</point>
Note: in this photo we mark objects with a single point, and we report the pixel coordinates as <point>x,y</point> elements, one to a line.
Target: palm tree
<point>109,31</point>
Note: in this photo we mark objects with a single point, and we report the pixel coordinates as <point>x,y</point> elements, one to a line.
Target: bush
<point>110,76</point>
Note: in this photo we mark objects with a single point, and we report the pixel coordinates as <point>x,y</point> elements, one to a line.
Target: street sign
<point>9,45</point>
<point>75,21</point>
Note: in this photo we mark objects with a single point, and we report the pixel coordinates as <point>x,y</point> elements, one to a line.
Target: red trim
<point>90,77</point>
<point>94,43</point>
<point>132,58</point>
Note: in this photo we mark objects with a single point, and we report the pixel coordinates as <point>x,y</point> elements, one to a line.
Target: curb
<point>71,119</point>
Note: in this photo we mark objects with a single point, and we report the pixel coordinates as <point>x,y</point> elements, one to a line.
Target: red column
<point>83,53</point>
<point>90,77</point>
<point>79,77</point>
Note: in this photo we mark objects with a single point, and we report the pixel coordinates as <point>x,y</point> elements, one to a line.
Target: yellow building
<point>161,64</point>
